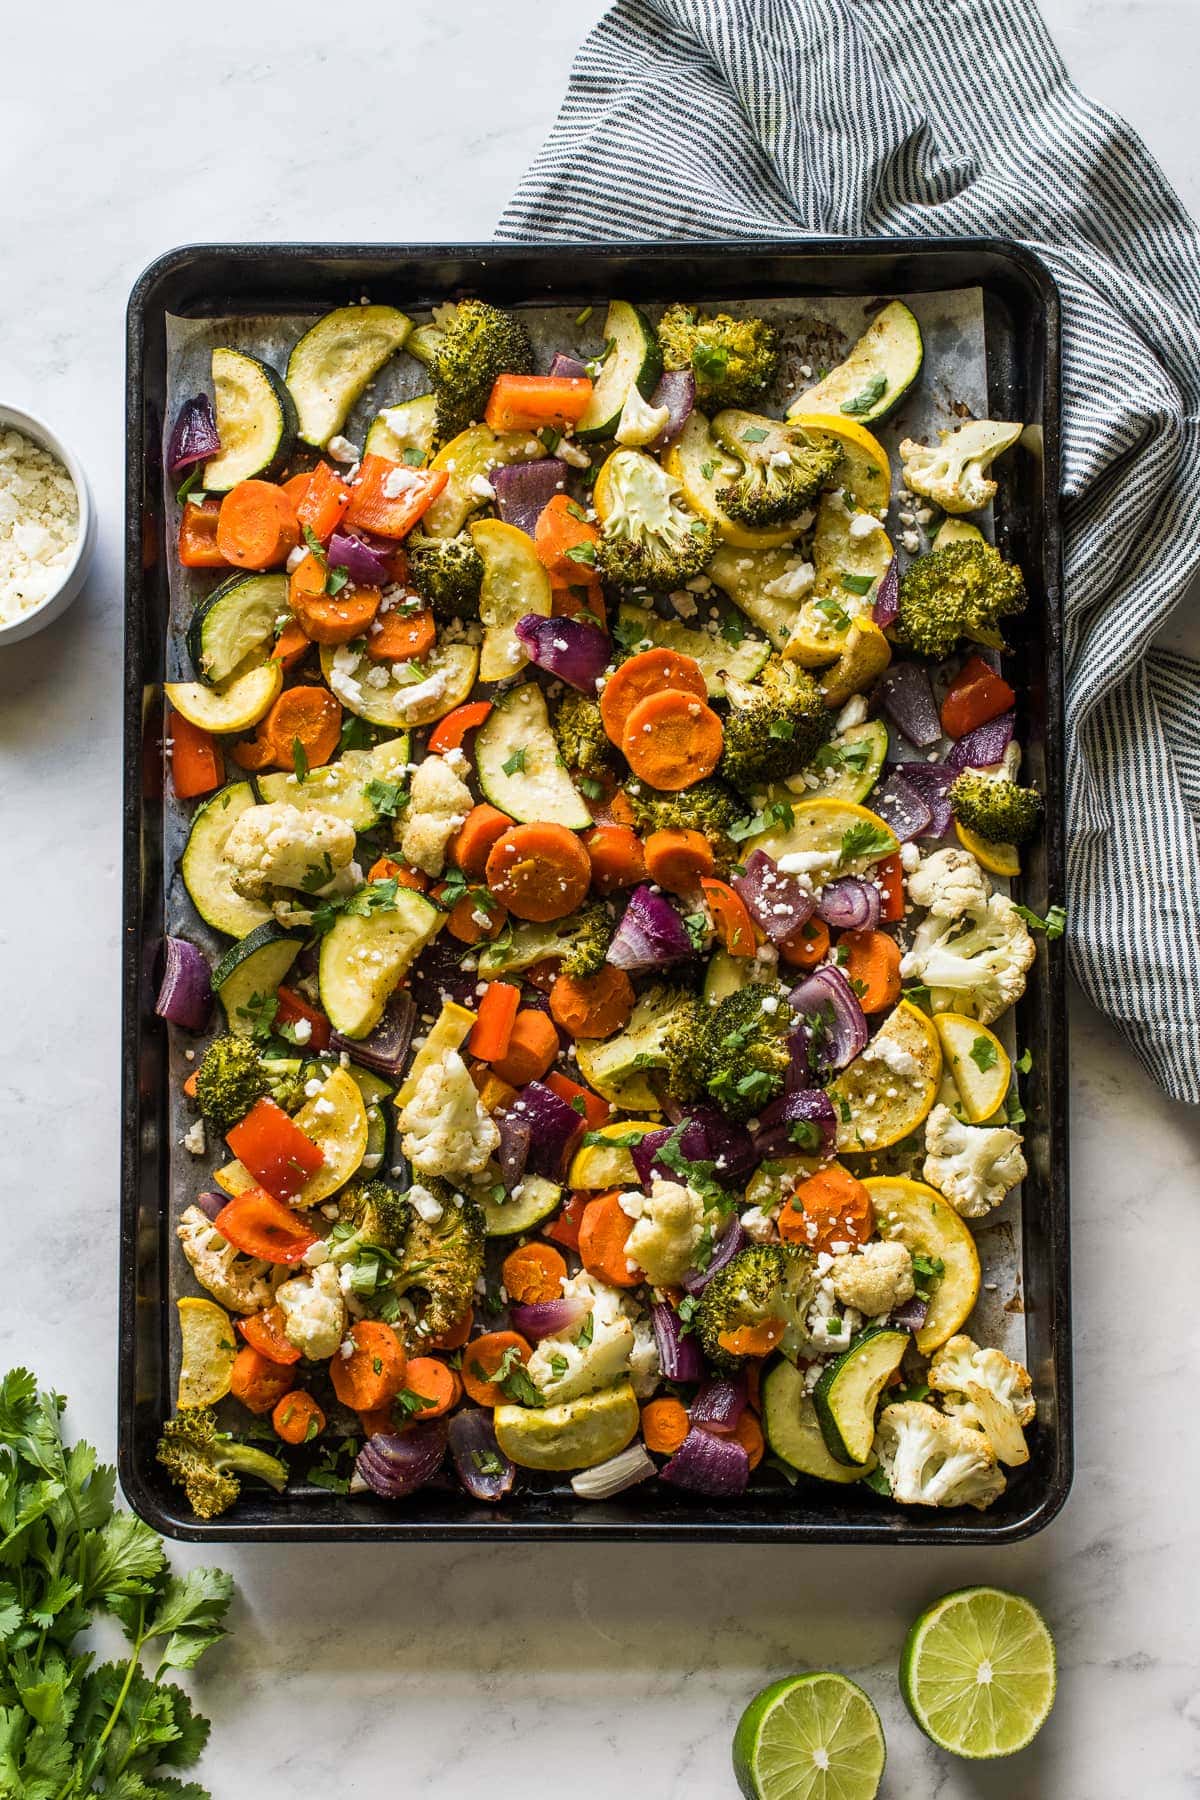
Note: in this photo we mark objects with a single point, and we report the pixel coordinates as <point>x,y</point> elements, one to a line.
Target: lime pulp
<point>978,1672</point>
<point>809,1737</point>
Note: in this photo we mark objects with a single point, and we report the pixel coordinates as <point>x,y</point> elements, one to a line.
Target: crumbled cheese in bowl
<point>39,525</point>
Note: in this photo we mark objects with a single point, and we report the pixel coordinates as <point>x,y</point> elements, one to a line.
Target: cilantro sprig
<point>70,1726</point>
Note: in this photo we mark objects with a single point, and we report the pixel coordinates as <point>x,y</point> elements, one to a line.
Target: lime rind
<point>810,1737</point>
<point>978,1672</point>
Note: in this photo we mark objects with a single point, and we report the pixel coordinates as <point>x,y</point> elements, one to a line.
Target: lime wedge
<point>978,1673</point>
<point>809,1737</point>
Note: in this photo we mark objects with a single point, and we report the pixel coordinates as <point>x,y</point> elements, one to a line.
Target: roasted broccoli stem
<point>648,539</point>
<point>959,591</point>
<point>448,574</point>
<point>775,726</point>
<point>1000,811</point>
<point>733,360</point>
<point>783,468</point>
<point>234,1075</point>
<point>440,1262</point>
<point>206,1462</point>
<point>745,1054</point>
<point>583,743</point>
<point>477,343</point>
<point>371,1216</point>
<point>663,1039</point>
<point>764,1285</point>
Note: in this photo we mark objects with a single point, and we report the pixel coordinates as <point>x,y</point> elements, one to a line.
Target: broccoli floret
<point>206,1462</point>
<point>1001,811</point>
<point>956,592</point>
<point>663,1039</point>
<point>229,1081</point>
<point>440,1262</point>
<point>448,574</point>
<point>378,1217</point>
<point>592,933</point>
<point>746,1056</point>
<point>761,1284</point>
<point>582,740</point>
<point>783,468</point>
<point>732,359</point>
<point>477,343</point>
<point>709,807</point>
<point>234,1075</point>
<point>649,539</point>
<point>775,726</point>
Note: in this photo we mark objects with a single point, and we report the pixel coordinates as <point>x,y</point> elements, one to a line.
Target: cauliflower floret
<point>949,883</point>
<point>974,1166</point>
<point>876,1279</point>
<point>439,801</point>
<point>975,964</point>
<point>446,1130</point>
<point>989,1391</point>
<point>931,1460</point>
<point>242,1284</point>
<point>954,474</point>
<point>562,1367</point>
<point>314,1312</point>
<point>666,1237</point>
<point>282,845</point>
<point>640,423</point>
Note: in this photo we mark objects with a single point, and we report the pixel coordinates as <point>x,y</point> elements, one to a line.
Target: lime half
<point>978,1672</point>
<point>809,1737</point>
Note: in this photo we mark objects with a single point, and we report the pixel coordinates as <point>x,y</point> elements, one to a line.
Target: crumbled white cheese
<point>195,1139</point>
<point>39,525</point>
<point>341,450</point>
<point>426,1207</point>
<point>863,524</point>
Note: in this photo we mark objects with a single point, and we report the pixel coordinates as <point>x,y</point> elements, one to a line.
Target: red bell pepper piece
<point>259,1225</point>
<point>596,1112</point>
<point>294,1007</point>
<point>198,536</point>
<point>448,733</point>
<point>274,1149</point>
<point>977,695</point>
<point>264,1332</point>
<point>388,498</point>
<point>323,504</point>
<point>565,1228</point>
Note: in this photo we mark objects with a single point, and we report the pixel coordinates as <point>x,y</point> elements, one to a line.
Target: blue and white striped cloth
<point>784,118</point>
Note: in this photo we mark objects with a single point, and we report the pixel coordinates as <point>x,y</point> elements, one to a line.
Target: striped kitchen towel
<point>784,118</point>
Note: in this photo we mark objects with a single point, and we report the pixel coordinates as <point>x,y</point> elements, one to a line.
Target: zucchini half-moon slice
<point>333,362</point>
<point>256,421</point>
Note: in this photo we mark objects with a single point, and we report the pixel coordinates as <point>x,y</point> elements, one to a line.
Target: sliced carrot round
<point>647,673</point>
<point>592,1006</point>
<point>494,1354</point>
<point>257,527</point>
<point>402,636</point>
<point>677,858</point>
<point>540,872</point>
<point>603,1230</point>
<point>672,740</point>
<point>617,857</point>
<point>479,831</point>
<point>533,1273</point>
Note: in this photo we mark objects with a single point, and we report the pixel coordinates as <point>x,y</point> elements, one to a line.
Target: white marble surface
<point>461,1672</point>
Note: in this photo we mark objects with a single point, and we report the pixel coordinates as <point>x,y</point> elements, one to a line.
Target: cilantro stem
<point>117,1710</point>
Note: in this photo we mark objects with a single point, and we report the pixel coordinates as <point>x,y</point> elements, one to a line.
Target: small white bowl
<point>75,573</point>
